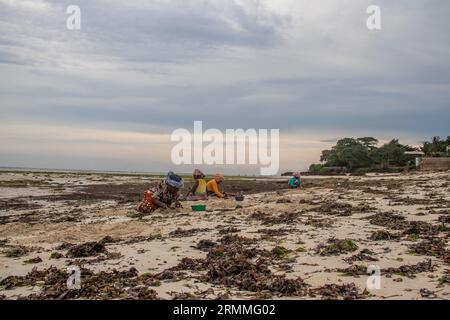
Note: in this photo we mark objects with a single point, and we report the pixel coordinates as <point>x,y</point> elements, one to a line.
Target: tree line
<point>364,155</point>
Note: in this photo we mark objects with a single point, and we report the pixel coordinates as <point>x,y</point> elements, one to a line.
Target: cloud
<point>152,66</point>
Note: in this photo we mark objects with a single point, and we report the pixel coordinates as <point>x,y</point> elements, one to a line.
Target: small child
<point>295,181</point>
<point>198,190</point>
<point>164,195</point>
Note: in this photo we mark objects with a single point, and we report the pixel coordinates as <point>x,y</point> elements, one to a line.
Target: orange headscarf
<point>219,177</point>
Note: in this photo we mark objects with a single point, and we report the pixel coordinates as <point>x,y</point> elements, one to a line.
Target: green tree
<point>392,153</point>
<point>349,152</point>
<point>369,142</point>
<point>435,147</point>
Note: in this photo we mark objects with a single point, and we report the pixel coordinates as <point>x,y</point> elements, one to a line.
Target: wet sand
<point>312,243</point>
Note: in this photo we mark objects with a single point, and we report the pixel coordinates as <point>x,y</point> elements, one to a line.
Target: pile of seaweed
<point>384,235</point>
<point>397,222</point>
<point>410,270</point>
<point>389,220</point>
<point>88,249</point>
<point>432,246</point>
<point>404,270</point>
<point>363,255</point>
<point>101,285</point>
<point>336,247</point>
<point>334,291</point>
<point>182,233</point>
<point>231,264</point>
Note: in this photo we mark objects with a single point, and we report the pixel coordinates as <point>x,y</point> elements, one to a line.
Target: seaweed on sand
<point>388,219</point>
<point>16,251</point>
<point>410,270</point>
<point>33,260</point>
<point>336,247</point>
<point>363,255</point>
<point>101,285</point>
<point>420,228</point>
<point>181,233</point>
<point>231,264</point>
<point>280,252</point>
<point>333,291</point>
<point>431,247</point>
<point>384,235</point>
<point>87,249</point>
<point>205,244</point>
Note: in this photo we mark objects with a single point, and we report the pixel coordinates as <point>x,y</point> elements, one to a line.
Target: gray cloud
<point>295,65</point>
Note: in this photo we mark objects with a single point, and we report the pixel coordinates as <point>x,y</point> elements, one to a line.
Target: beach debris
<point>205,245</point>
<point>16,251</point>
<point>363,255</point>
<point>56,255</point>
<point>420,228</point>
<point>101,285</point>
<point>87,249</point>
<point>319,223</point>
<point>409,271</point>
<point>234,238</point>
<point>65,246</point>
<point>445,279</point>
<point>181,233</point>
<point>384,235</point>
<point>444,219</point>
<point>425,293</point>
<point>336,247</point>
<point>389,220</point>
<point>431,247</point>
<point>334,291</point>
<point>108,239</point>
<point>284,200</point>
<point>229,229</point>
<point>33,260</point>
<point>353,271</point>
<point>280,252</point>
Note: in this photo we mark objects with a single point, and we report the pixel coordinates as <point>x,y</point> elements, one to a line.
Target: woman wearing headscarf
<point>295,181</point>
<point>198,190</point>
<point>214,186</point>
<point>164,195</point>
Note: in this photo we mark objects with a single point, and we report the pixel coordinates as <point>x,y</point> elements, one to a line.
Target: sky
<point>108,96</point>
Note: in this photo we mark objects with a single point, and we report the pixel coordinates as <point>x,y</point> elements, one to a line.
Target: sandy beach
<point>312,243</point>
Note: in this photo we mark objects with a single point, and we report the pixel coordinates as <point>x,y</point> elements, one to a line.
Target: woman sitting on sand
<point>198,190</point>
<point>164,195</point>
<point>214,187</point>
<point>295,181</point>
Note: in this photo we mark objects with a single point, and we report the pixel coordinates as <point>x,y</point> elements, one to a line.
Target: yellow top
<point>201,186</point>
<point>213,187</point>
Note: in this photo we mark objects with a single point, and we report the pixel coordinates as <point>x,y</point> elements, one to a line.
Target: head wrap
<point>198,173</point>
<point>174,180</point>
<point>219,177</point>
<point>297,175</point>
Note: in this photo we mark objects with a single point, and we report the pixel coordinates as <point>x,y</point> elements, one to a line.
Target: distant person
<point>164,195</point>
<point>214,187</point>
<point>198,190</point>
<point>295,181</point>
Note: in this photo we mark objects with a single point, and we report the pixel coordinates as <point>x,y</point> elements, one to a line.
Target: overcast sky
<point>108,96</point>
